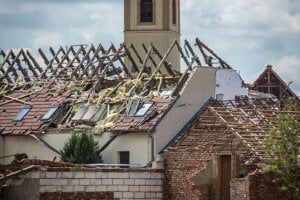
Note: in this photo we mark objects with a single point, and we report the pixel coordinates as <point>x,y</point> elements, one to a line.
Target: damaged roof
<point>24,112</point>
<point>97,85</point>
<point>241,126</point>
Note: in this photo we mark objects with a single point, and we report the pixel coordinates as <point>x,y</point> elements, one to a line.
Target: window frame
<point>51,111</point>
<point>137,105</point>
<point>21,114</point>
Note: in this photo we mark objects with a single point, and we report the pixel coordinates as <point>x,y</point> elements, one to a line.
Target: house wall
<point>1,147</point>
<point>138,145</point>
<point>119,183</point>
<point>197,90</point>
<point>32,147</point>
<point>230,84</point>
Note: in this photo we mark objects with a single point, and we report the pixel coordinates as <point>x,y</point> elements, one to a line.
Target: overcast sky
<point>247,34</point>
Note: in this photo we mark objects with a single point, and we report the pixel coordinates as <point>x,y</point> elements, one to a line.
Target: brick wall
<point>239,189</point>
<point>122,183</point>
<point>262,186</point>
<point>180,165</point>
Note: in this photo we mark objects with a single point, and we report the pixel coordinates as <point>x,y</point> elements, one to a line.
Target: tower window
<point>146,11</point>
<point>174,12</point>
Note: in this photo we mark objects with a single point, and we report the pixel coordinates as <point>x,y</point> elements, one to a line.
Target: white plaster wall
<point>197,90</point>
<point>33,148</point>
<point>138,145</point>
<point>229,83</point>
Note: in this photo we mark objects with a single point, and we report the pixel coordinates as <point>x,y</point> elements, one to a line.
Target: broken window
<point>21,114</point>
<point>90,113</point>
<point>50,113</point>
<point>138,108</point>
<point>146,11</point>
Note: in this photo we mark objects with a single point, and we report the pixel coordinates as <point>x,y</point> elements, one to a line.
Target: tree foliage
<point>81,148</point>
<point>284,145</point>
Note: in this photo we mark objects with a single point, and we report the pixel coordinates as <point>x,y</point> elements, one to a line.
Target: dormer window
<point>146,11</point>
<point>139,109</point>
<point>20,116</point>
<point>49,114</point>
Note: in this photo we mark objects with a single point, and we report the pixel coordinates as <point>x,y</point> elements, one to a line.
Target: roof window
<point>90,113</point>
<point>48,115</point>
<point>21,114</point>
<point>138,108</point>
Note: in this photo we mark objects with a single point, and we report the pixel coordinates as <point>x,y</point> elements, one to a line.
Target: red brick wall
<point>239,189</point>
<point>262,186</point>
<point>77,196</point>
<point>180,165</point>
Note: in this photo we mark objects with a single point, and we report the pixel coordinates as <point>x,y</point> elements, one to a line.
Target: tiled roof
<point>40,101</point>
<point>129,123</point>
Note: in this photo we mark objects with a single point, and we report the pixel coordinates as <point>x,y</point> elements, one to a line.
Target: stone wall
<point>122,183</point>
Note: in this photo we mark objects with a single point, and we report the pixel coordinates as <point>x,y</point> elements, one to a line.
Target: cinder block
<point>78,188</point>
<point>50,174</point>
<point>145,188</point>
<point>118,182</point>
<point>46,181</point>
<point>112,175</point>
<point>59,182</point>
<point>139,195</point>
<point>67,188</point>
<point>139,182</point>
<point>73,182</point>
<point>139,174</point>
<point>128,181</point>
<point>128,195</point>
<point>112,188</point>
<point>90,188</point>
<point>67,174</point>
<point>123,188</point>
<point>150,195</point>
<point>107,181</point>
<point>156,188</point>
<point>42,189</point>
<point>101,188</point>
<point>118,195</point>
<point>84,181</point>
<point>101,174</point>
<point>96,182</point>
<point>51,188</point>
<point>156,175</point>
<point>78,174</point>
<point>124,175</point>
<point>134,188</point>
<point>153,182</point>
<point>159,195</point>
<point>90,174</point>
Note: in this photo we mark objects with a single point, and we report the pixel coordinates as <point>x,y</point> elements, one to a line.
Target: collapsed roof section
<point>101,87</point>
<point>240,126</point>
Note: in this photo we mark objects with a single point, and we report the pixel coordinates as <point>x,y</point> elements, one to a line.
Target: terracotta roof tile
<point>40,102</point>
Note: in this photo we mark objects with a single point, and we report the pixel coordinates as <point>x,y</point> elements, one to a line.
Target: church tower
<point>153,21</point>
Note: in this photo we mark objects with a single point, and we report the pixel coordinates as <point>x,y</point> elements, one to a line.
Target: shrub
<point>81,148</point>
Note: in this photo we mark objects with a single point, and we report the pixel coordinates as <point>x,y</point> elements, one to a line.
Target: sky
<point>247,34</point>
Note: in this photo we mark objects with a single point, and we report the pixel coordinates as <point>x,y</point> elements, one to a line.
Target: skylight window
<point>90,113</point>
<point>48,115</point>
<point>139,109</point>
<point>20,116</point>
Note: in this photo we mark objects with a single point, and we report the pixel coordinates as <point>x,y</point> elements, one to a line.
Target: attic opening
<point>90,113</point>
<point>146,11</point>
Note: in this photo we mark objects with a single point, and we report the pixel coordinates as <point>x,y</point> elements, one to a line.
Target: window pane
<point>90,113</point>
<point>134,107</point>
<point>144,108</point>
<point>21,114</point>
<point>78,115</point>
<point>146,11</point>
<point>124,157</point>
<point>49,114</point>
<point>100,114</point>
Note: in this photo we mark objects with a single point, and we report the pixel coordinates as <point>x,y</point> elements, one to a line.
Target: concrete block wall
<point>124,183</point>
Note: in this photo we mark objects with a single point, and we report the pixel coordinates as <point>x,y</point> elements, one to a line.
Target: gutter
<point>187,125</point>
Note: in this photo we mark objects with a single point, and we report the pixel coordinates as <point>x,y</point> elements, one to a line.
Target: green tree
<point>284,145</point>
<point>81,148</point>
